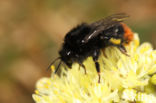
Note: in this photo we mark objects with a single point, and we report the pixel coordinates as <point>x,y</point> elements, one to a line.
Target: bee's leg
<point>95,58</point>
<point>123,49</point>
<point>83,66</point>
<point>103,51</point>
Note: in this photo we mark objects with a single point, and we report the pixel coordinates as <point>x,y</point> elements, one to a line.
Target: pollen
<point>52,68</point>
<point>115,41</point>
<point>136,56</point>
<point>145,98</point>
<point>129,94</point>
<point>36,92</point>
<point>37,98</point>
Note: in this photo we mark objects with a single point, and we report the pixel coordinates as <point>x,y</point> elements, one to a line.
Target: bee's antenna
<point>53,63</point>
<point>58,67</point>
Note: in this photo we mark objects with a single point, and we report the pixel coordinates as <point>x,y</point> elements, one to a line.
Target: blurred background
<point>31,33</point>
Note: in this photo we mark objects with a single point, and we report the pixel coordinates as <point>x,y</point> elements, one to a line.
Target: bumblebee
<point>88,39</point>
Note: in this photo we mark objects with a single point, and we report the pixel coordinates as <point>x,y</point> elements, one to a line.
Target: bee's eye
<point>68,53</point>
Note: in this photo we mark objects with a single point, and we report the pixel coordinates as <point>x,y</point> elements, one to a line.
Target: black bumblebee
<point>88,39</point>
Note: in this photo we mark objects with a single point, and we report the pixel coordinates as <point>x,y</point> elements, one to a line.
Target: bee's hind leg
<point>95,58</point>
<point>123,50</point>
<point>104,54</point>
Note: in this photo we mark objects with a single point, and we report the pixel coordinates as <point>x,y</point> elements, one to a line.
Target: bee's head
<point>66,56</point>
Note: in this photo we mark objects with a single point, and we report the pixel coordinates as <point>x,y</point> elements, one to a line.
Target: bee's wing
<point>104,24</point>
<point>110,20</point>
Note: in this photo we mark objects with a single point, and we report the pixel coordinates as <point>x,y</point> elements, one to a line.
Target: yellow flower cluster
<point>124,79</point>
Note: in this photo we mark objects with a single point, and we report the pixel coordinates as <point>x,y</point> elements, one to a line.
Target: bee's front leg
<point>95,58</point>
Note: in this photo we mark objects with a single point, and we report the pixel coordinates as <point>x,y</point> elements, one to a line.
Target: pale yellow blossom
<point>124,79</point>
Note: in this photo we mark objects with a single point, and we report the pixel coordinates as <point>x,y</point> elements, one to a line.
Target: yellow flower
<point>124,79</point>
